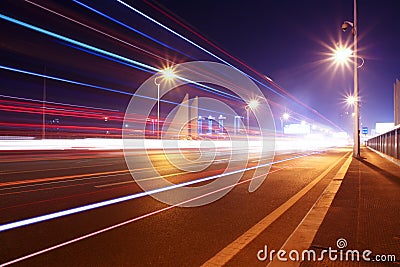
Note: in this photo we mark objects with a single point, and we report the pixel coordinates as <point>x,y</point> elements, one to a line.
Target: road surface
<point>144,231</point>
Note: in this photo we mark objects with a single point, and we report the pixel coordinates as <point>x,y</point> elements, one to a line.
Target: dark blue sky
<point>284,40</point>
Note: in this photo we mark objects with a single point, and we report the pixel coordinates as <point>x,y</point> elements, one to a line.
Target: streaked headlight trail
<point>46,217</point>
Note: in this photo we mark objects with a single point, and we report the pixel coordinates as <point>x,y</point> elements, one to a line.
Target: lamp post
<point>345,26</point>
<point>167,74</point>
<point>342,55</point>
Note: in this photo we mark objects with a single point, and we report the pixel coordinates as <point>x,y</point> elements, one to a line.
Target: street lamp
<point>351,100</point>
<point>286,116</point>
<point>252,105</point>
<point>167,74</point>
<point>344,55</point>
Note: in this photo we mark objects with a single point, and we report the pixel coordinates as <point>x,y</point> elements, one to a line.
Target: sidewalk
<point>365,213</point>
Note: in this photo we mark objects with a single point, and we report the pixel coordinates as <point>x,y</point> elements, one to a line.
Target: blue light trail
<point>101,51</point>
<point>196,45</point>
<point>72,41</point>
<point>93,86</point>
<point>131,28</point>
<point>190,82</point>
<point>57,103</point>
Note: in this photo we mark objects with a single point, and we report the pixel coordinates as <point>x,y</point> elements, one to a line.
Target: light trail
<point>58,104</point>
<point>94,86</point>
<point>99,31</point>
<point>104,53</point>
<point>72,41</point>
<point>39,180</point>
<point>53,157</point>
<point>56,111</point>
<point>141,65</point>
<point>58,187</point>
<point>44,181</point>
<point>98,50</point>
<point>112,37</point>
<point>54,169</point>
<point>58,214</point>
<point>36,108</point>
<point>190,82</point>
<point>132,220</point>
<point>64,80</point>
<point>133,29</point>
<point>56,182</point>
<point>71,127</point>
<point>224,61</point>
<point>130,28</point>
<point>101,191</point>
<point>82,111</point>
<point>135,63</point>
<point>177,34</point>
<point>80,184</point>
<point>210,43</point>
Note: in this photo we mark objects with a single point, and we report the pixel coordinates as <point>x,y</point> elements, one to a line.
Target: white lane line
<point>58,214</point>
<point>126,222</point>
<point>302,237</point>
<point>227,253</point>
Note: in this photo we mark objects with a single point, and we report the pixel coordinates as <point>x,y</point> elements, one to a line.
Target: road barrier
<point>387,143</point>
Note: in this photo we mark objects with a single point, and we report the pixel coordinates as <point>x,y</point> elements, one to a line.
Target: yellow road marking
<point>227,253</point>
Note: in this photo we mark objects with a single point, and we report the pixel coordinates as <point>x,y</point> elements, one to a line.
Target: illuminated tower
<point>221,123</point>
<point>210,124</point>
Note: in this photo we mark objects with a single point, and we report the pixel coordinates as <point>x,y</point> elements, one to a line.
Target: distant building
<point>383,127</point>
<point>397,102</point>
<point>297,128</point>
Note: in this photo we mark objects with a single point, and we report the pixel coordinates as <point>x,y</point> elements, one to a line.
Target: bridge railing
<point>387,143</point>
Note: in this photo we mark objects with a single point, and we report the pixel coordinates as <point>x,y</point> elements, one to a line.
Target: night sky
<point>287,41</point>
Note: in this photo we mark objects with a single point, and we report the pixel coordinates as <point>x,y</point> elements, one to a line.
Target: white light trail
<point>59,214</point>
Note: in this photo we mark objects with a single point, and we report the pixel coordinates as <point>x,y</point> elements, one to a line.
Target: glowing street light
<point>167,74</point>
<point>253,104</point>
<point>351,100</point>
<point>342,55</point>
<point>286,116</point>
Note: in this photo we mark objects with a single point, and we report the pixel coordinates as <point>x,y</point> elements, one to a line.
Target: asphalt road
<point>150,233</point>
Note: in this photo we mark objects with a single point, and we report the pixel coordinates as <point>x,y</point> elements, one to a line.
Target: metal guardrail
<point>388,143</point>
